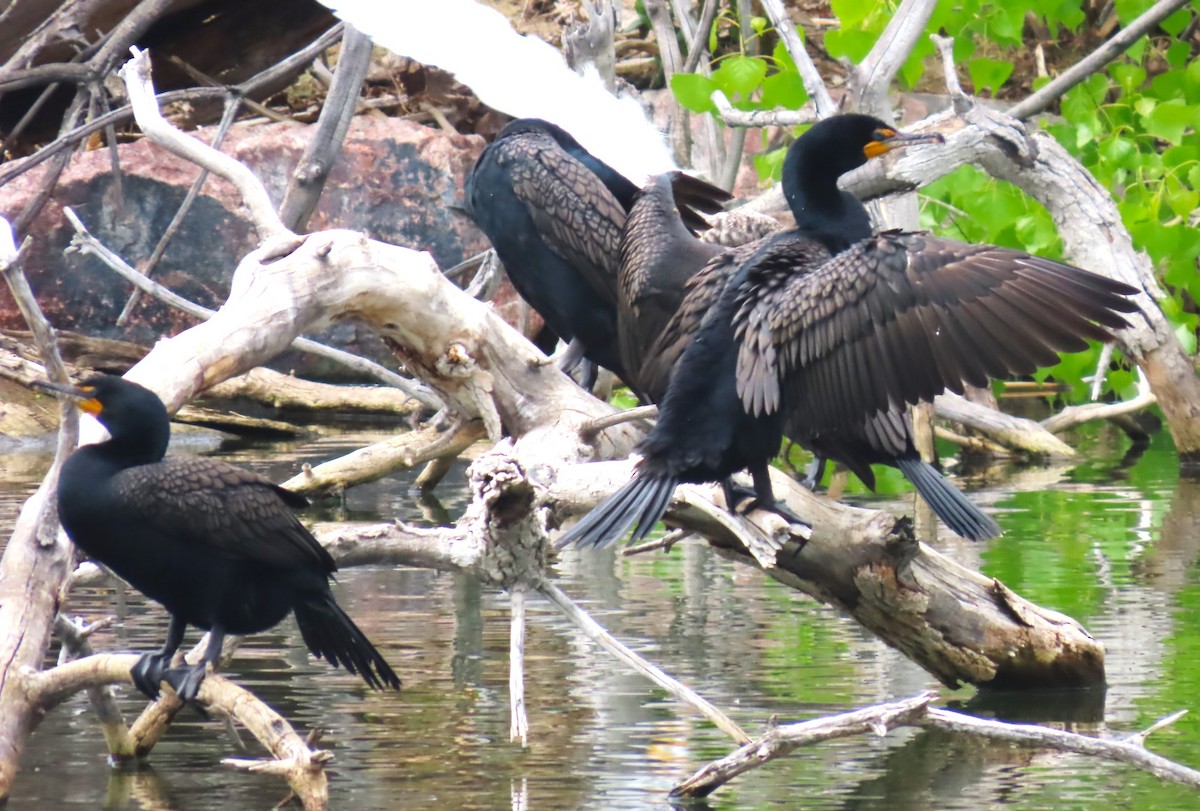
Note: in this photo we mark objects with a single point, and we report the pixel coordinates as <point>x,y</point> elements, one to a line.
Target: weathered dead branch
<point>1017,433</point>
<point>778,741</point>
<point>383,458</point>
<point>302,767</point>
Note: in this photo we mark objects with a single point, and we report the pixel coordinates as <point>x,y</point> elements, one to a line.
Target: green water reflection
<point>1110,541</point>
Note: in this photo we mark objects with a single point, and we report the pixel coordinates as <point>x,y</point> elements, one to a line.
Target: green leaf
<point>1128,76</point>
<point>1169,119</point>
<point>851,13</point>
<point>853,45</point>
<point>694,91</point>
<point>740,75</point>
<point>783,90</point>
<point>1176,22</point>
<point>783,59</point>
<point>989,73</point>
<point>1183,202</point>
<point>1178,54</point>
<point>1118,151</point>
<point>769,165</point>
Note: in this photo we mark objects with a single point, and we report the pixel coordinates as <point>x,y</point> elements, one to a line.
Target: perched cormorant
<point>829,333</point>
<point>217,545</point>
<point>658,255</point>
<point>554,214</point>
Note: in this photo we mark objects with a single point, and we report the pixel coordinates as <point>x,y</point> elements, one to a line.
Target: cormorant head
<point>831,148</point>
<point>133,414</point>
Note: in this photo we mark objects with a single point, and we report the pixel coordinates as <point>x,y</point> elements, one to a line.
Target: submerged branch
<point>917,712</point>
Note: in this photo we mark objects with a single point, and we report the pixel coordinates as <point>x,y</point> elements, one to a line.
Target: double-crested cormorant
<point>218,546</point>
<point>554,213</point>
<point>830,333</point>
<point>659,254</point>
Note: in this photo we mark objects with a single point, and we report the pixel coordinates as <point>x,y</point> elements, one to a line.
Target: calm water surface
<point>1111,541</point>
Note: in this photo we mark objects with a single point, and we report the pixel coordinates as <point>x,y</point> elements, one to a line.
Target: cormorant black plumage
<point>658,255</point>
<point>218,546</point>
<point>829,333</point>
<point>554,213</point>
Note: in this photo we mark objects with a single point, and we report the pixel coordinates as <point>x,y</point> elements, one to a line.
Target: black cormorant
<point>830,333</point>
<point>217,545</point>
<point>554,214</point>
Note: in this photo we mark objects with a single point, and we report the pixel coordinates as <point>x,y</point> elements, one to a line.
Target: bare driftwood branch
<point>778,741</point>
<point>916,711</point>
<point>1096,60</point>
<point>37,557</point>
<point>1129,752</point>
<point>383,458</point>
<point>594,42</point>
<point>1077,415</point>
<point>956,623</point>
<point>760,118</point>
<point>77,134</point>
<point>302,767</point>
<point>594,631</point>
<point>1017,433</point>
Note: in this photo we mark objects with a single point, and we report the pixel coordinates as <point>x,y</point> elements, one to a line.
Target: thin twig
<point>665,543</point>
<point>780,740</point>
<point>761,118</point>
<point>85,242</point>
<point>232,105</point>
<point>1096,60</point>
<point>699,45</point>
<point>136,74</point>
<point>593,427</point>
<point>813,83</point>
<point>518,729</point>
<point>270,76</point>
<point>596,633</point>
<point>1059,740</point>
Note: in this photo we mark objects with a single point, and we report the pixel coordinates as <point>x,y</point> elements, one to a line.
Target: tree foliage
<point>1133,125</point>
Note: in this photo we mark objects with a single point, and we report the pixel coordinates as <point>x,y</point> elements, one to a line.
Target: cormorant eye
<point>884,134</point>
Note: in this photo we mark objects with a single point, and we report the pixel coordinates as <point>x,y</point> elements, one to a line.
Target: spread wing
<point>233,512</point>
<point>903,316</point>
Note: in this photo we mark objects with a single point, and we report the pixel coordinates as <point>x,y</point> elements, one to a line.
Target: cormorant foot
<point>186,680</point>
<point>777,507</point>
<point>148,672</point>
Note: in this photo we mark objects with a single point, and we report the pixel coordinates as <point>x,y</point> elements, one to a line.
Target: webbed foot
<point>186,681</point>
<point>148,672</point>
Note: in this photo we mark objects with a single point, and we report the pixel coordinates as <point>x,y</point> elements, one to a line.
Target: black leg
<point>764,497</point>
<point>813,473</point>
<point>187,680</point>
<point>149,669</point>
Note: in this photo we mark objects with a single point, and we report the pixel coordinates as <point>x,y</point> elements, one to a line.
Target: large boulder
<point>396,181</point>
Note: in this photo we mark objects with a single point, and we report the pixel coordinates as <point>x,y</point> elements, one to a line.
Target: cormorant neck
<point>141,444</point>
<point>810,186</point>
